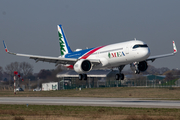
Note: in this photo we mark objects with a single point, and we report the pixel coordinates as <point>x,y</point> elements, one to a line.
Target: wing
<point>56,60</point>
<point>152,58</point>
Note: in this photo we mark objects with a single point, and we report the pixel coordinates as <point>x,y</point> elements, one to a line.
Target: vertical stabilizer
<point>64,46</point>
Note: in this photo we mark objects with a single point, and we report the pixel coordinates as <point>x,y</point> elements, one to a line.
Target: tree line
<point>26,71</point>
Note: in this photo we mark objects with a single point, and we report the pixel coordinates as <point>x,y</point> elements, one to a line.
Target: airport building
<point>106,78</point>
<point>96,78</point>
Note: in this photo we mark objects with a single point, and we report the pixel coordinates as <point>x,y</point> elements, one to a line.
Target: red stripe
<point>91,52</point>
<point>70,66</point>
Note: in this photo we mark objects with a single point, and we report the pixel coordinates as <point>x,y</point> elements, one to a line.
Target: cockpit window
<point>137,46</point>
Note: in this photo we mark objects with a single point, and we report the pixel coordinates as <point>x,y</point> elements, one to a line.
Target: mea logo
<point>116,54</point>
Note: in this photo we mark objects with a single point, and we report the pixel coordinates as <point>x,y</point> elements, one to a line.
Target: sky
<point>30,27</point>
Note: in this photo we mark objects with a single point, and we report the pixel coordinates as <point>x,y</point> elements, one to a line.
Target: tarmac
<point>82,101</point>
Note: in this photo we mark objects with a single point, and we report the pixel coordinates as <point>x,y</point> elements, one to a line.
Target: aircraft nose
<point>146,52</point>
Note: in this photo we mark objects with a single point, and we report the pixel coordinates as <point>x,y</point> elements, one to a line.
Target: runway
<point>79,101</point>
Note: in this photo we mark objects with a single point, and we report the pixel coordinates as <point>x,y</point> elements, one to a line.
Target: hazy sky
<point>30,27</point>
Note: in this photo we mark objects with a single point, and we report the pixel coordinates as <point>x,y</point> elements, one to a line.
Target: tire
<point>85,76</point>
<point>117,76</point>
<point>80,76</point>
<point>122,77</point>
<point>137,71</point>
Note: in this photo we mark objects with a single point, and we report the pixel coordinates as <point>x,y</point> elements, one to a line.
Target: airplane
<point>133,52</point>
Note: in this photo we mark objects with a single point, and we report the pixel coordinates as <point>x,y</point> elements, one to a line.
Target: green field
<point>57,112</point>
<point>120,92</point>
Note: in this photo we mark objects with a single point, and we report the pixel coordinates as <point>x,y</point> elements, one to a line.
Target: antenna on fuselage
<point>135,39</point>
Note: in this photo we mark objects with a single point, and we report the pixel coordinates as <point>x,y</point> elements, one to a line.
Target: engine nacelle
<point>141,66</point>
<point>82,66</point>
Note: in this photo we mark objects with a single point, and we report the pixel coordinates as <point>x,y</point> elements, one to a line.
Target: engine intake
<point>82,66</point>
<point>142,66</point>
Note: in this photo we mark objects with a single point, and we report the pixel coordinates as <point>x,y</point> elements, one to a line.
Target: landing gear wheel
<point>137,71</point>
<point>85,76</point>
<point>117,76</point>
<point>122,76</point>
<point>80,76</point>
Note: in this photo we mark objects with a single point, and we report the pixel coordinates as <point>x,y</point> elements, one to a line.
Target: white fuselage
<point>120,54</point>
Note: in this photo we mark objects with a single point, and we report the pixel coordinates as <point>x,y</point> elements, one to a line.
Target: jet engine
<point>82,66</point>
<point>142,66</point>
<point>139,67</point>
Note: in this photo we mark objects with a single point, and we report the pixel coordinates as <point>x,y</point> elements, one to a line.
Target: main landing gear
<point>120,76</point>
<point>137,71</point>
<point>82,76</point>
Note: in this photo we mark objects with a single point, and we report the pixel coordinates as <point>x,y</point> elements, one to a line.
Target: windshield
<point>137,46</point>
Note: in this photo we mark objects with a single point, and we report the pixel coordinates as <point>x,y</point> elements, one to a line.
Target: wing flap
<point>152,58</point>
<point>56,60</point>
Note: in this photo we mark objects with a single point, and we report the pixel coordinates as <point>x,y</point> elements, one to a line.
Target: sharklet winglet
<point>7,49</point>
<point>174,47</point>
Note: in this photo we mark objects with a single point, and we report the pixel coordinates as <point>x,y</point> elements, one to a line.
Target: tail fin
<point>64,46</point>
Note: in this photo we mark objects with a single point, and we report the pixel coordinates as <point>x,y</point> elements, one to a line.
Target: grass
<point>46,112</point>
<point>169,83</point>
<point>120,92</point>
<point>57,112</point>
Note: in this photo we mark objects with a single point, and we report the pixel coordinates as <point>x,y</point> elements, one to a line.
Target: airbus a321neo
<point>134,52</point>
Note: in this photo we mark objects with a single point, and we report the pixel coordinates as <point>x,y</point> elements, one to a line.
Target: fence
<point>72,83</point>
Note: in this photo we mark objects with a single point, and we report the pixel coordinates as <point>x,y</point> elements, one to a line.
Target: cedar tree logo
<point>62,44</point>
